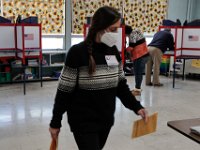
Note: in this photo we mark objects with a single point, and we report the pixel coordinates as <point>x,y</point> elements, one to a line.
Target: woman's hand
<point>54,132</point>
<point>143,113</point>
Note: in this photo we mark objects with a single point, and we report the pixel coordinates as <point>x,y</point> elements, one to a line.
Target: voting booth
<point>29,41</point>
<point>7,40</point>
<point>20,48</point>
<point>187,45</point>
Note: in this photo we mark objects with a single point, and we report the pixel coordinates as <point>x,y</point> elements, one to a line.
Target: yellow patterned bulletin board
<point>50,12</point>
<point>146,15</point>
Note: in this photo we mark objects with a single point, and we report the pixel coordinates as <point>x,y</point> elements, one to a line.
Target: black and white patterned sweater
<point>90,100</point>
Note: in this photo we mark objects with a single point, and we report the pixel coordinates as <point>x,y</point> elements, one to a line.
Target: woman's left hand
<point>143,113</point>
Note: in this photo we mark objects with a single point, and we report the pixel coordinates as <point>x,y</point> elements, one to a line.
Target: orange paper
<point>141,128</point>
<point>54,144</point>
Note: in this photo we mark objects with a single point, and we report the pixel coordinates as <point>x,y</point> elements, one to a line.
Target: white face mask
<point>110,38</point>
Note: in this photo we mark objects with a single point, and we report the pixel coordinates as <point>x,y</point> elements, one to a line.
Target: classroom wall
<point>196,10</point>
<point>183,10</point>
<point>177,9</point>
<point>0,7</point>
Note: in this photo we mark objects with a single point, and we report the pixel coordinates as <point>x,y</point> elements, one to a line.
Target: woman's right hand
<point>54,132</point>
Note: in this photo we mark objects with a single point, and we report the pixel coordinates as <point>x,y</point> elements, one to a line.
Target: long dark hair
<point>103,18</point>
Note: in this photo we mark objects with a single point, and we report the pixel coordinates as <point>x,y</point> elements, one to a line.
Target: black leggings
<point>91,141</point>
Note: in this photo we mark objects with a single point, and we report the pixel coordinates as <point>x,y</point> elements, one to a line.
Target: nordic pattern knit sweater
<point>89,100</point>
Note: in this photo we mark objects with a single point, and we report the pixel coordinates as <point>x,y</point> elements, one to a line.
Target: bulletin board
<point>7,36</point>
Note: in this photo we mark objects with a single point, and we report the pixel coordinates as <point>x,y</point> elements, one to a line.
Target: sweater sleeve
<point>62,100</point>
<point>125,95</point>
<point>66,88</point>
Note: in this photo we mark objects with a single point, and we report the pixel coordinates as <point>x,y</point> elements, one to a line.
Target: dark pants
<point>139,69</point>
<point>91,141</point>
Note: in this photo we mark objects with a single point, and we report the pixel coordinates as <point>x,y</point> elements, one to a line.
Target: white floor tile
<point>24,119</point>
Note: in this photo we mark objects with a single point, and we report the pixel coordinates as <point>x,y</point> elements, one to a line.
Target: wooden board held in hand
<point>141,128</point>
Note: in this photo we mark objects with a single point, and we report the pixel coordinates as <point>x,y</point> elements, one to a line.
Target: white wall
<point>196,10</point>
<point>183,10</point>
<point>177,9</point>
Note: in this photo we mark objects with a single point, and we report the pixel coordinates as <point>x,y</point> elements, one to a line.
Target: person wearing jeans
<point>139,69</point>
<point>139,55</point>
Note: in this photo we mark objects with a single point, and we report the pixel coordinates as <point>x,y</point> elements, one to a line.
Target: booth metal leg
<point>24,80</point>
<point>183,73</point>
<point>174,74</point>
<point>41,83</point>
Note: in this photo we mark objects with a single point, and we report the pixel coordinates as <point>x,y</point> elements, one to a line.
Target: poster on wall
<point>196,63</point>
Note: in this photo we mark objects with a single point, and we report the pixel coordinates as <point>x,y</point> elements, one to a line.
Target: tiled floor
<point>24,119</point>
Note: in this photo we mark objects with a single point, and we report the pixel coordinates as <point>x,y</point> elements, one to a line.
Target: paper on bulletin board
<point>196,63</point>
<point>141,128</point>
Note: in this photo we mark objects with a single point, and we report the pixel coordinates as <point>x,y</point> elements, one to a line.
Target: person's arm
<point>125,95</point>
<point>62,100</point>
<point>66,88</point>
<point>129,100</point>
<point>64,95</point>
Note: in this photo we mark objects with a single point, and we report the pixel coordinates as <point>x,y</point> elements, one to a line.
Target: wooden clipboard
<point>54,144</point>
<point>141,128</point>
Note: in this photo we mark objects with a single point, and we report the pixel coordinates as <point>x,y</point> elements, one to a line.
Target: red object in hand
<point>54,144</point>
